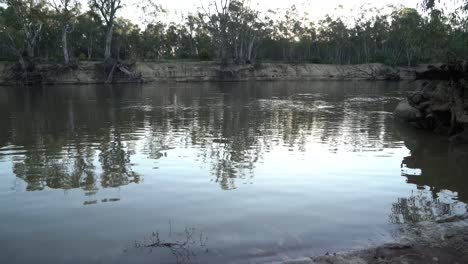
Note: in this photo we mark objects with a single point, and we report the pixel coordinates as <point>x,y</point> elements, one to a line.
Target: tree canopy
<point>231,31</point>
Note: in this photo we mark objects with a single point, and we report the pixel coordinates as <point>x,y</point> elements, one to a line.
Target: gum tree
<point>108,10</point>
<point>67,10</point>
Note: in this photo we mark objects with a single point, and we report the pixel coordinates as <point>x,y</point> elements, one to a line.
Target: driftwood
<point>124,69</point>
<point>110,76</point>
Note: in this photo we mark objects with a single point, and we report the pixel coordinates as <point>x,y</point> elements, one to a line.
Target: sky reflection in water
<point>263,171</point>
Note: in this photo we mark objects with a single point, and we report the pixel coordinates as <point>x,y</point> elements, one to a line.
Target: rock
<point>397,246</point>
<point>424,105</point>
<point>441,107</point>
<point>443,241</point>
<point>460,137</point>
<point>406,112</point>
<point>345,259</point>
<point>452,219</point>
<point>300,261</point>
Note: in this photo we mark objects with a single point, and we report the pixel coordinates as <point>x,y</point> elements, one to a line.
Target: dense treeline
<point>230,31</point>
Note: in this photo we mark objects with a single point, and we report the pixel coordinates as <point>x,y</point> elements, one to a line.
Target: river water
<point>214,172</point>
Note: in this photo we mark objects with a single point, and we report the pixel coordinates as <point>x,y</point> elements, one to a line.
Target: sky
<point>316,8</point>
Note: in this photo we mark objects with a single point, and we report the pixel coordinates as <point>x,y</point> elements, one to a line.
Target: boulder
<point>460,138</point>
<point>406,112</point>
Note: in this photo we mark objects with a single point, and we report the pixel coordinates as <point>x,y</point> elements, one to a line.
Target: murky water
<point>214,173</point>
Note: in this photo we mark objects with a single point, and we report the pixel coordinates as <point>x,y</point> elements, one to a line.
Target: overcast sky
<point>316,8</point>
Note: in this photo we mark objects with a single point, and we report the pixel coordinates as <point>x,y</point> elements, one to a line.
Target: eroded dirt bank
<point>441,103</point>
<point>443,241</point>
<point>94,72</point>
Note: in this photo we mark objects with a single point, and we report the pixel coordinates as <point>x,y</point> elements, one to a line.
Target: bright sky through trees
<point>242,32</point>
<point>316,8</point>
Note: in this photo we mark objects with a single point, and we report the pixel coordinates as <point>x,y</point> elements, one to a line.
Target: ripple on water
<point>265,170</point>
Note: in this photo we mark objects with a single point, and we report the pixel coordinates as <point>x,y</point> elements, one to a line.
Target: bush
<point>315,60</point>
<point>82,57</point>
<point>204,55</point>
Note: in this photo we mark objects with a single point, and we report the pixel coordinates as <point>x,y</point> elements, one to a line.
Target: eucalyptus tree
<point>87,35</point>
<point>192,23</point>
<point>26,17</point>
<point>244,30</point>
<point>126,38</point>
<point>459,19</point>
<point>216,17</point>
<point>407,28</point>
<point>108,10</point>
<point>152,41</point>
<point>67,10</point>
<point>432,4</point>
<point>22,24</point>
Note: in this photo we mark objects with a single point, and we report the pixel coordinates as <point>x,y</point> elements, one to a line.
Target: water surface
<point>214,173</point>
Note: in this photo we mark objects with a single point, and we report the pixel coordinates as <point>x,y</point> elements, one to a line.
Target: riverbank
<point>94,72</point>
<point>443,241</point>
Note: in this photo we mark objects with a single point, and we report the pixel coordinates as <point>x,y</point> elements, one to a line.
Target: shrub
<point>82,57</point>
<point>204,55</point>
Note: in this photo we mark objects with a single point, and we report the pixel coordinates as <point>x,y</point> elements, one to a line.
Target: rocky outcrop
<point>94,72</point>
<point>407,113</point>
<point>440,104</point>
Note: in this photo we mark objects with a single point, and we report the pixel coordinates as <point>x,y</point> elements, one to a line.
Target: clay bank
<point>98,72</point>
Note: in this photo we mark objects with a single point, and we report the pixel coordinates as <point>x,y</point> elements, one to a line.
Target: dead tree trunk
<point>111,73</point>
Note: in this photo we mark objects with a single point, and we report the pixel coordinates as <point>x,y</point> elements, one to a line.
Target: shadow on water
<point>439,170</point>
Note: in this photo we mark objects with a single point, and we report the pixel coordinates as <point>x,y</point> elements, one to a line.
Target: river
<point>214,172</point>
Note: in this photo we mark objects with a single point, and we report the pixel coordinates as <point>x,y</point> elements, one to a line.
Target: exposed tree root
<point>115,69</point>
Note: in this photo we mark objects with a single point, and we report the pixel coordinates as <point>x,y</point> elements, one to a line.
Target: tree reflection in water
<point>115,163</point>
<point>86,137</point>
<point>438,169</point>
<point>423,207</point>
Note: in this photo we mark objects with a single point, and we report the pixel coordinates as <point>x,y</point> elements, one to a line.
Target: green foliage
<point>432,4</point>
<point>315,60</point>
<point>239,34</point>
<point>82,57</point>
<point>204,55</point>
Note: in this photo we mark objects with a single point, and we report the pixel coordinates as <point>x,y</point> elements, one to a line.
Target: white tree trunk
<point>90,47</point>
<point>30,50</point>
<point>107,53</point>
<point>251,45</point>
<point>66,56</point>
<point>409,57</point>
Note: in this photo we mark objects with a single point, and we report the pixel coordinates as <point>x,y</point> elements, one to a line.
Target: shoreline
<point>85,73</point>
<point>441,241</point>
